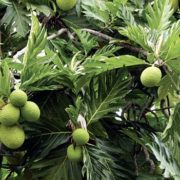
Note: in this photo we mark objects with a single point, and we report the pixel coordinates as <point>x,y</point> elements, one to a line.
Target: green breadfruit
<point>30,111</point>
<point>151,76</point>
<point>80,136</point>
<point>18,98</point>
<point>175,4</point>
<point>9,115</point>
<point>0,132</point>
<point>74,153</point>
<point>66,5</point>
<point>12,136</point>
<point>16,158</point>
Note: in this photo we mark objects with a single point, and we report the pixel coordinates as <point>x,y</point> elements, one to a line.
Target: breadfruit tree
<point>89,89</point>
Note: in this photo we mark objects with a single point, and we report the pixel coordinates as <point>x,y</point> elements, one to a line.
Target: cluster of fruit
<point>80,137</point>
<point>11,133</point>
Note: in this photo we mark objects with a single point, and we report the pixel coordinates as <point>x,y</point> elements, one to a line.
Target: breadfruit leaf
<point>159,14</point>
<point>105,94</point>
<point>16,18</point>
<point>5,80</point>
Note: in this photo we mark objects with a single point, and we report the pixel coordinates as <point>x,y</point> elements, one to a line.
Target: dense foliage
<point>82,67</point>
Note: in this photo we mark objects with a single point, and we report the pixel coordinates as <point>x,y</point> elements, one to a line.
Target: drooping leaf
<point>96,163</point>
<point>101,64</point>
<point>16,17</point>
<point>165,157</point>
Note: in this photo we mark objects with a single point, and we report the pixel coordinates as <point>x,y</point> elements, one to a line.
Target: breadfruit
<point>80,136</point>
<point>175,4</point>
<point>30,111</point>
<point>9,115</point>
<point>74,153</point>
<point>158,170</point>
<point>18,98</point>
<point>12,136</point>
<point>151,76</point>
<point>0,132</point>
<point>66,5</point>
<point>16,158</point>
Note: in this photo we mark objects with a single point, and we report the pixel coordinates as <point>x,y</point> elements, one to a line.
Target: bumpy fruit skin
<point>151,76</point>
<point>66,5</point>
<point>80,136</point>
<point>74,153</point>
<point>18,98</point>
<point>12,136</point>
<point>30,111</point>
<point>9,115</point>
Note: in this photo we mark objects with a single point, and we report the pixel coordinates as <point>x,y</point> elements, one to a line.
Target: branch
<point>96,33</point>
<point>136,165</point>
<point>52,36</point>
<point>133,49</point>
<point>58,33</point>
<point>149,160</point>
<point>122,44</point>
<point>99,34</point>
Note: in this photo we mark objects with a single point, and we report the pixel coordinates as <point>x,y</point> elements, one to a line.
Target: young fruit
<point>16,158</point>
<point>158,170</point>
<point>80,136</point>
<point>9,115</point>
<point>74,153</point>
<point>30,111</point>
<point>66,5</point>
<point>151,76</point>
<point>0,132</point>
<point>12,136</point>
<point>175,4</point>
<point>18,98</point>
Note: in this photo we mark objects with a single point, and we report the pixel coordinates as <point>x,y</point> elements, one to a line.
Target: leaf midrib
<point>19,17</point>
<point>103,102</point>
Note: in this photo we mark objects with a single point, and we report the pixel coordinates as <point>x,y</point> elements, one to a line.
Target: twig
<point>99,34</point>
<point>9,175</point>
<point>19,53</point>
<point>58,33</point>
<point>168,105</point>
<point>166,113</point>
<point>52,36</point>
<point>155,115</point>
<point>122,44</point>
<point>136,165</point>
<point>96,33</point>
<point>163,108</point>
<point>134,49</point>
<point>149,160</point>
<point>146,105</point>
